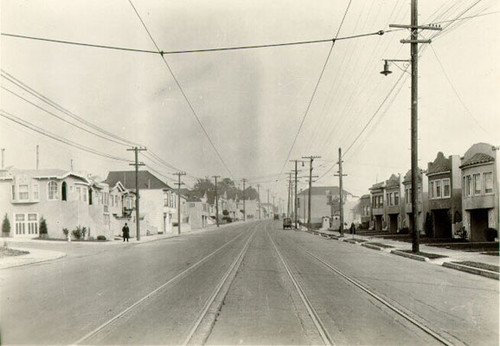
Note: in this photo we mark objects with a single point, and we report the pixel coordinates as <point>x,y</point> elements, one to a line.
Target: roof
<point>48,173</point>
<point>146,180</point>
<point>393,181</point>
<point>407,178</point>
<point>367,196</point>
<point>324,190</point>
<point>477,158</point>
<point>376,186</point>
<point>440,164</point>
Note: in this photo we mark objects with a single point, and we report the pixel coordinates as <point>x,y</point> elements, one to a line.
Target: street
<point>247,283</point>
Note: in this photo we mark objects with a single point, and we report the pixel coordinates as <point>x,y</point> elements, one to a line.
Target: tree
<point>43,226</point>
<point>6,224</point>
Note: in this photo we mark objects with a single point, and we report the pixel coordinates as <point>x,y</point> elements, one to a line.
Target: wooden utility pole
<point>136,151</point>
<point>216,201</point>
<point>311,159</point>
<point>341,193</point>
<point>414,42</point>
<point>268,204</point>
<point>244,207</point>
<point>258,193</point>
<point>289,197</point>
<point>179,183</point>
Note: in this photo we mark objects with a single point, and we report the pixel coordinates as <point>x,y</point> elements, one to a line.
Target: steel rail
<point>325,336</point>
<point>232,269</point>
<point>398,311</point>
<point>152,293</point>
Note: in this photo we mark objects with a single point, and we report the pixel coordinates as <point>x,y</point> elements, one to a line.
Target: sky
<point>259,108</point>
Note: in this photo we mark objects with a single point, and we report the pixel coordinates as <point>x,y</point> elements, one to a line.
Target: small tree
<point>43,226</point>
<point>6,224</point>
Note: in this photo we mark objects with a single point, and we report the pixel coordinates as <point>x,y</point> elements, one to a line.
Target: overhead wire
<point>66,141</point>
<point>315,89</point>
<point>182,91</point>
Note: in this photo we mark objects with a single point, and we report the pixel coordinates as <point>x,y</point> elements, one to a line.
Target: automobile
<point>287,223</point>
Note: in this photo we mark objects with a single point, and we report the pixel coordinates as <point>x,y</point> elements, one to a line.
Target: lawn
<point>5,252</point>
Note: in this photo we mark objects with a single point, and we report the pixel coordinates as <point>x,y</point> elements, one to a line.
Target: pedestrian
<point>353,228</point>
<point>125,232</point>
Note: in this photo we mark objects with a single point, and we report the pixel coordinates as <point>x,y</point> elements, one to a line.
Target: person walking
<point>353,228</point>
<point>125,232</point>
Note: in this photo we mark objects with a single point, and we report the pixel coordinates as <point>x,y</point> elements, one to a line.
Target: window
<point>36,195</point>
<point>446,188</point>
<point>13,192</point>
<point>116,200</point>
<point>488,182</point>
<point>165,199</point>
<point>32,223</point>
<point>52,186</point>
<point>408,195</point>
<point>20,226</point>
<point>24,194</point>
<point>468,186</point>
<point>396,198</point>
<point>431,190</point>
<point>477,183</point>
<point>64,187</point>
<point>437,186</point>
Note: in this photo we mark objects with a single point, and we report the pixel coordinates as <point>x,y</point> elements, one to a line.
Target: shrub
<point>6,224</point>
<point>225,212</point>
<point>43,226</point>
<point>101,237</point>
<point>65,231</point>
<point>491,234</point>
<point>77,233</point>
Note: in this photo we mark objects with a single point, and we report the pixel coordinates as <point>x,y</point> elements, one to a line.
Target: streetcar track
<point>381,300</point>
<point>323,332</point>
<point>395,309</point>
<point>200,337</point>
<point>154,292</point>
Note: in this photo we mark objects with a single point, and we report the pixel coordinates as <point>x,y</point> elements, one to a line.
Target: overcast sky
<point>250,102</point>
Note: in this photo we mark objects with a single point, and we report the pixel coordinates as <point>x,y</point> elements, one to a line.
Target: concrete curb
<point>472,270</point>
<point>371,246</point>
<point>34,256</point>
<point>409,255</point>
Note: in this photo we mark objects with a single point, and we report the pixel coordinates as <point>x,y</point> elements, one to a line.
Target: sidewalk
<point>399,248</point>
<point>39,255</point>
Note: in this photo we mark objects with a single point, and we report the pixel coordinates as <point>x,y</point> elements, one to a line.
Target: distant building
<point>377,192</point>
<point>480,191</point>
<point>325,203</point>
<point>158,201</point>
<point>422,201</point>
<point>366,211</point>
<point>445,196</point>
<point>393,209</point>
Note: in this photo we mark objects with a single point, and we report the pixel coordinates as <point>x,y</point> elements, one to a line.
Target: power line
<point>315,89</point>
<point>41,131</point>
<point>61,118</point>
<point>41,97</point>
<point>182,91</point>
<point>187,51</point>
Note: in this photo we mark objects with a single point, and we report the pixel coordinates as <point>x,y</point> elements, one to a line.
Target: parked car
<point>287,223</point>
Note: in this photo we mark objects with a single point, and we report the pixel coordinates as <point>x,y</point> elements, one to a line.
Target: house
<point>158,201</point>
<point>325,203</point>
<point>66,200</point>
<point>422,201</point>
<point>199,213</point>
<point>480,192</point>
<point>393,209</point>
<point>377,192</point>
<point>251,209</point>
<point>366,211</point>
<point>445,196</point>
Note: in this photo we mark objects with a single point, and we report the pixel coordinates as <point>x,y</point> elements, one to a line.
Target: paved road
<point>86,293</point>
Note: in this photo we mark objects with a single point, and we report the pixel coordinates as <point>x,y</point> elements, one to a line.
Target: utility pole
<point>179,183</point>
<point>216,201</point>
<point>258,192</point>
<point>414,41</point>
<point>295,200</point>
<point>341,192</point>
<point>311,159</point>
<point>268,204</point>
<point>289,206</point>
<point>273,205</point>
<point>3,156</point>
<point>244,202</point>
<point>136,151</point>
